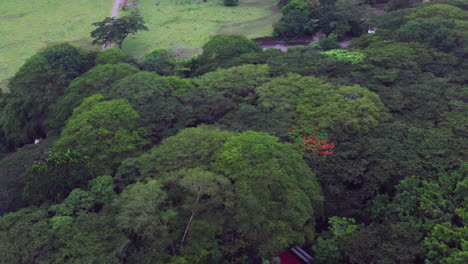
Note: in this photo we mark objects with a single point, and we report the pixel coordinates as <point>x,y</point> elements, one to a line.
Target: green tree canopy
<point>105,131</point>
<point>111,56</point>
<point>438,33</point>
<point>342,108</point>
<point>116,30</point>
<point>154,98</point>
<point>440,11</point>
<point>221,48</point>
<point>94,80</point>
<point>220,92</point>
<point>160,61</point>
<point>275,194</point>
<point>24,236</point>
<point>37,85</point>
<point>53,179</point>
<point>274,198</point>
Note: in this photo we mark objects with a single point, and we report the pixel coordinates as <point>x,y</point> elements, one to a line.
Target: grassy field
<point>29,25</point>
<point>186,25</point>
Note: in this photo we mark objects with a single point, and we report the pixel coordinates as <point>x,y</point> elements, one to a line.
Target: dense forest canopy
<point>357,155</point>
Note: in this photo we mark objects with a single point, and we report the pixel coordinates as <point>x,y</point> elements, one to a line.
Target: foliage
<point>69,60</point>
<point>341,17</point>
<point>52,179</point>
<point>295,4</point>
<point>172,154</point>
<point>438,33</point>
<point>116,30</point>
<point>141,213</point>
<point>95,80</point>
<point>105,131</point>
<point>160,112</point>
<point>92,238</point>
<point>309,138</point>
<point>394,190</point>
<point>254,161</point>
<point>224,47</point>
<point>162,62</point>
<point>345,108</point>
<point>219,92</point>
<point>329,42</point>
<point>328,245</point>
<point>389,243</point>
<point>391,20</point>
<point>295,23</point>
<point>353,57</point>
<point>100,191</point>
<point>13,167</point>
<point>447,243</point>
<point>425,203</point>
<point>439,11</point>
<point>37,85</point>
<point>198,168</point>
<point>24,236</point>
<point>111,56</point>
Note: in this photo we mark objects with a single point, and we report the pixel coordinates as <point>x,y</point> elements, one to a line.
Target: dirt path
<point>117,5</point>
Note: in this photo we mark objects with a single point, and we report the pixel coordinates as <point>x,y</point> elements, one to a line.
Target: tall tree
<point>115,30</point>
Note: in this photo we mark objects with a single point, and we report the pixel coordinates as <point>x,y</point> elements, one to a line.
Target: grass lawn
<point>29,25</point>
<point>185,25</point>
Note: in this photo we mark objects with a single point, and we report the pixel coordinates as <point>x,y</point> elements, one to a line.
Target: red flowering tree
<point>309,137</point>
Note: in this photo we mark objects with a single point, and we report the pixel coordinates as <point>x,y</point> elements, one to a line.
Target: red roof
<point>288,258</point>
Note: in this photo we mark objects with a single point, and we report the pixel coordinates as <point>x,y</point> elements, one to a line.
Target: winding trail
<point>117,5</point>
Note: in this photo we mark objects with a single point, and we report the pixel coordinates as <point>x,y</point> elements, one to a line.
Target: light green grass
<point>187,24</point>
<point>29,25</point>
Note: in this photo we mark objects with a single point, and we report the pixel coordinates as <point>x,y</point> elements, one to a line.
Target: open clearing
<point>186,25</point>
<point>29,25</point>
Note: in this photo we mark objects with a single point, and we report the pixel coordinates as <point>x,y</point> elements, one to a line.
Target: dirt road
<point>117,5</point>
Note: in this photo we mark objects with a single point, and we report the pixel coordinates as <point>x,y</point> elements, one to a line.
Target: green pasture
<point>185,25</point>
<point>29,25</point>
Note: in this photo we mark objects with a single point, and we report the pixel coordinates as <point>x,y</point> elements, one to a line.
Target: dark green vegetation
<point>116,30</point>
<point>303,18</point>
<point>162,160</point>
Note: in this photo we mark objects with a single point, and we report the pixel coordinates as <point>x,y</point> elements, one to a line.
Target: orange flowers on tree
<point>309,137</point>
